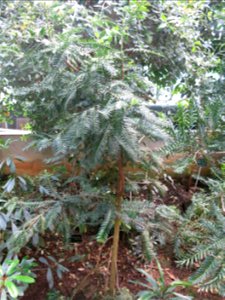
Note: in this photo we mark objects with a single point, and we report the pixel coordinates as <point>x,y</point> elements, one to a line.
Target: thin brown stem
<point>223,204</point>
<point>116,236</point>
<point>114,279</point>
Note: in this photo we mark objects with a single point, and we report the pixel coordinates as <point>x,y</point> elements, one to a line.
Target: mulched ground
<point>88,262</point>
<point>88,278</point>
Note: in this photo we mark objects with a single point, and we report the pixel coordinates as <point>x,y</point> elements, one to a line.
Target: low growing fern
<point>105,227</point>
<point>210,276</point>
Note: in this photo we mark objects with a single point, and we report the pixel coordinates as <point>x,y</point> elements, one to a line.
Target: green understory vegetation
<point>88,76</point>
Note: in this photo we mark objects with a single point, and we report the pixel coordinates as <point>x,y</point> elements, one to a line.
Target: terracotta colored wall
<point>34,160</point>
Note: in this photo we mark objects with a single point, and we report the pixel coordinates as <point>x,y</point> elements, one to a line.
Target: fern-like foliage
<point>92,90</point>
<point>183,131</point>
<point>208,251</point>
<point>154,224</point>
<point>24,220</point>
<point>105,228</point>
<point>197,131</point>
<point>201,238</point>
<point>114,125</point>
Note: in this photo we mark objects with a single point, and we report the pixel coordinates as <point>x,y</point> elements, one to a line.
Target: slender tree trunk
<point>116,236</point>
<point>118,204</point>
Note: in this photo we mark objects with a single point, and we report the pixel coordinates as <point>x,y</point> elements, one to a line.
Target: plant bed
<point>89,276</point>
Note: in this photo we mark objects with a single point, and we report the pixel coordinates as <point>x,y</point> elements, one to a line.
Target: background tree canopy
<point>47,44</point>
<point>85,74</point>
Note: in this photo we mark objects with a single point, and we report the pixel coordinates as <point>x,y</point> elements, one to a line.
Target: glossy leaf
<point>23,278</point>
<point>12,289</point>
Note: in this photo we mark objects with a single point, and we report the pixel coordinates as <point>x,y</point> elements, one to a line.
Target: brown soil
<point>89,276</point>
<point>178,195</point>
